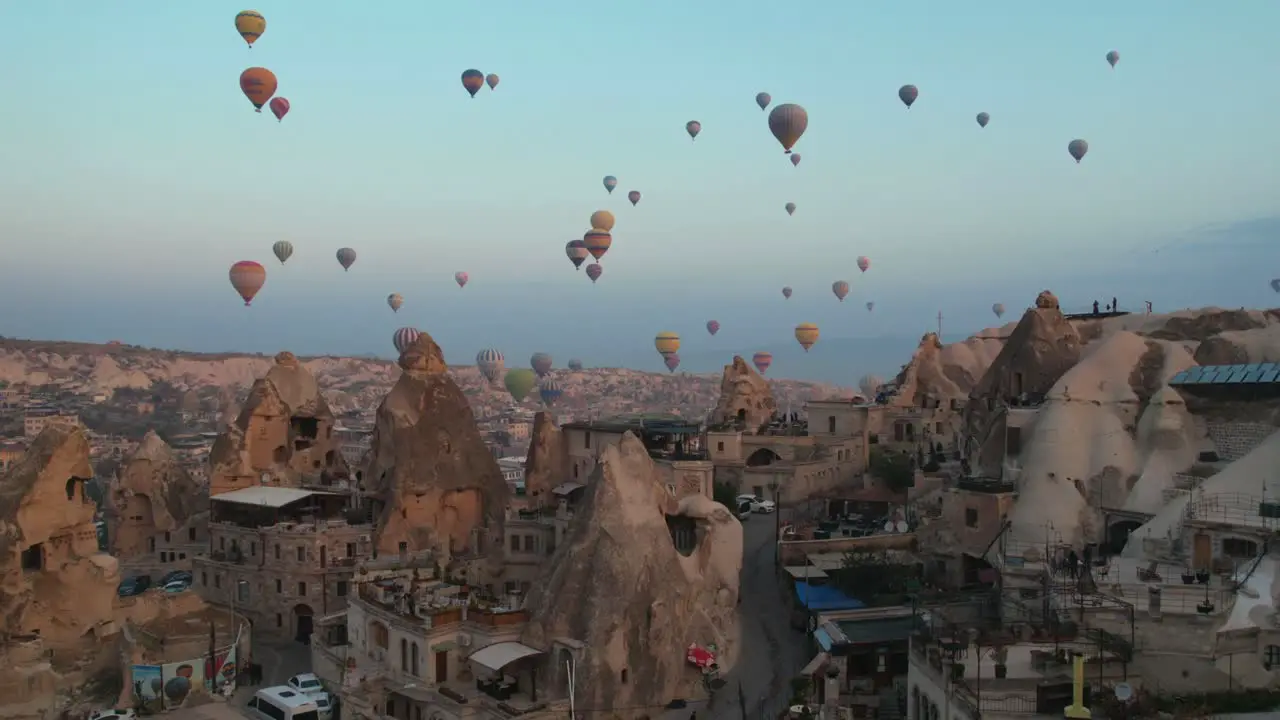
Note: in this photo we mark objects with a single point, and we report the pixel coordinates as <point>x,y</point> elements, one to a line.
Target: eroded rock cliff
<point>55,581</point>
<point>945,372</point>
<point>152,493</point>
<point>438,486</point>
<point>619,586</point>
<point>547,464</point>
<point>745,397</point>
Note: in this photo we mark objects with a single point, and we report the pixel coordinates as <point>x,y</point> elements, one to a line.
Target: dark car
<point>135,585</point>
<point>171,576</point>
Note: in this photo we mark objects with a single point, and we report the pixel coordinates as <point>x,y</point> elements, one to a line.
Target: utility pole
<point>939,326</point>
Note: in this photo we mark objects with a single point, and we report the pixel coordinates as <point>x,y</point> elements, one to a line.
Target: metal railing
<point>1231,509</point>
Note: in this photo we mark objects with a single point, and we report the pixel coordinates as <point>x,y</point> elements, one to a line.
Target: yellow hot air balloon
<point>806,335</point>
<point>668,343</point>
<point>250,24</point>
<point>602,219</point>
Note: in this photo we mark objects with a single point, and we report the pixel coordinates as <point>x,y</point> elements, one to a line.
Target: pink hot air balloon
<point>864,262</point>
<point>693,127</point>
<point>672,361</point>
<point>279,107</point>
<point>713,326</point>
<point>461,278</point>
<point>634,197</point>
<point>762,361</point>
<point>795,159</point>
<point>594,271</point>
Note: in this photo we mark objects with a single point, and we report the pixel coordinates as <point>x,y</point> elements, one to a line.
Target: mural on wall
<point>147,686</point>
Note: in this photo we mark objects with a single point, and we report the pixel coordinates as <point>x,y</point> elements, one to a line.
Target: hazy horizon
<point>140,173</point>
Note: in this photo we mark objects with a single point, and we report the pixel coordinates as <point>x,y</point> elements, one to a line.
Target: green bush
<point>895,469</point>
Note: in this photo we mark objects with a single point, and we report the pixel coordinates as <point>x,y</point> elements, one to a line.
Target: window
<point>624,676</point>
<point>351,550</point>
<point>277,551</point>
<point>575,471</point>
<point>253,549</point>
<point>191,534</point>
<point>1271,658</point>
<point>341,589</point>
<point>971,517</point>
<point>182,556</point>
<point>204,578</point>
<point>217,580</point>
<point>586,440</point>
<point>528,543</point>
<point>302,554</point>
<point>720,446</point>
<point>1239,548</point>
<point>831,424</point>
<point>151,544</point>
<point>402,547</point>
<point>937,428</point>
<point>1012,441</point>
<point>222,543</point>
<point>33,557</point>
<point>302,589</point>
<point>323,556</point>
<point>515,543</point>
<point>279,620</point>
<point>279,585</point>
<point>898,432</point>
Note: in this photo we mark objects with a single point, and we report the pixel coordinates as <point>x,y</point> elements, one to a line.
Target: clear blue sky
<point>135,172</point>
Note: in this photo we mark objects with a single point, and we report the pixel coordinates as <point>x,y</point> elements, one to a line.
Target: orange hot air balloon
<point>598,242</point>
<point>248,277</point>
<point>806,335</point>
<point>258,84</point>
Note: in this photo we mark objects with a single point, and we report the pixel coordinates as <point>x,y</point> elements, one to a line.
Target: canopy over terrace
<point>265,506</point>
<point>497,657</point>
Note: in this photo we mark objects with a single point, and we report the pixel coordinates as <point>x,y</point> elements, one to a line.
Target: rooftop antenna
<point>939,325</point>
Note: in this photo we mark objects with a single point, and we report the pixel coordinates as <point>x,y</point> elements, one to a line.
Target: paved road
<point>772,653</point>
<point>280,660</point>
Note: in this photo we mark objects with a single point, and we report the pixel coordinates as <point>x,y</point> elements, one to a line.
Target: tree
<point>871,574</point>
<point>725,494</point>
<point>895,469</point>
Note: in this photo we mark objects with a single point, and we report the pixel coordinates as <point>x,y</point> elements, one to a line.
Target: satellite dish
<point>1124,692</point>
<point>888,527</point>
<point>902,526</point>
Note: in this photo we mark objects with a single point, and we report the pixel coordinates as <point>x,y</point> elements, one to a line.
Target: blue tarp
<point>822,598</point>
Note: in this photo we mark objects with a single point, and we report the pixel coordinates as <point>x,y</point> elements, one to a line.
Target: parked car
<point>744,511</point>
<point>308,684</point>
<point>135,585</point>
<point>177,586</point>
<point>758,504</point>
<point>325,703</point>
<point>176,575</point>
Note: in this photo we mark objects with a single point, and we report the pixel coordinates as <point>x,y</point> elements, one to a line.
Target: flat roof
<point>669,424</point>
<point>266,496</point>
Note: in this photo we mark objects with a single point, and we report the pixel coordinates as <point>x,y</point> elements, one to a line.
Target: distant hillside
<point>839,361</point>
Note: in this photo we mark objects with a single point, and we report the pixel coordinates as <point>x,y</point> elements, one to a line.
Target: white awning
<point>566,488</point>
<point>266,496</point>
<point>499,655</point>
<point>805,572</point>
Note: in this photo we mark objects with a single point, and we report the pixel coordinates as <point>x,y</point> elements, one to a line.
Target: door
<point>442,666</point>
<point>1202,556</point>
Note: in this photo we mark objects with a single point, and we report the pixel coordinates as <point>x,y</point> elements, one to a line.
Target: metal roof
<point>1251,374</point>
<point>266,496</point>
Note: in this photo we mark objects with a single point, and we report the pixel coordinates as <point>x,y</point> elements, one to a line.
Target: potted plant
<point>1188,577</point>
<point>1204,607</point>
<point>1202,576</point>
<point>1000,654</point>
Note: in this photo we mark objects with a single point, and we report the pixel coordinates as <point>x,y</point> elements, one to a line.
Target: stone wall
<point>1234,440</point>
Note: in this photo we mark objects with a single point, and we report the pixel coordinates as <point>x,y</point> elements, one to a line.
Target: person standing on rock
<point>1095,307</point>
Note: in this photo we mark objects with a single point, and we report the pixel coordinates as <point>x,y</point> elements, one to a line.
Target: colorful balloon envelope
<point>870,306</point>
<point>693,127</point>
<point>713,327</point>
<point>594,271</point>
<point>787,123</point>
<point>248,277</point>
<point>1078,149</point>
<point>667,343</point>
<point>491,80</point>
<point>395,301</point>
<point>258,84</point>
<point>490,362</point>
<point>840,289</point>
<point>541,363</point>
<point>519,382</point>
<point>806,335</point>
<point>279,107</point>
<point>602,219</point>
<point>983,119</point>
<point>598,242</point>
<point>576,251</point>
<point>1275,285</point>
<point>346,258</point>
<point>672,361</point>
<point>549,390</point>
<point>283,250</point>
<point>610,182</point>
<point>763,99</point>
<point>762,361</point>
<point>908,94</point>
<point>634,197</point>
<point>998,309</point>
<point>795,159</point>
<point>403,338</point>
<point>250,24</point>
<point>472,81</point>
<point>461,278</point>
<point>864,262</point>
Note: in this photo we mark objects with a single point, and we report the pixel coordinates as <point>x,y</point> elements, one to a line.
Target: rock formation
<point>56,583</point>
<point>436,485</point>
<point>152,494</point>
<point>547,464</point>
<point>745,397</point>
<point>283,435</point>
<point>942,373</point>
<point>621,588</point>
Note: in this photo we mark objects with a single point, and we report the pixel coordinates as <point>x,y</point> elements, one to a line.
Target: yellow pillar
<point>1077,708</point>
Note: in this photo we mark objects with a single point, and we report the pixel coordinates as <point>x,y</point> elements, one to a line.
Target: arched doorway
<point>762,457</point>
<point>302,625</point>
<point>1118,534</point>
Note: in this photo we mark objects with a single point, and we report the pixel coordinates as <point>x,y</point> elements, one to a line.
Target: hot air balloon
<point>248,277</point>
<point>998,309</point>
<point>1078,148</point>
<point>787,123</point>
<point>346,258</point>
<point>667,343</point>
<point>693,127</point>
<point>908,94</point>
<point>462,278</point>
<point>250,24</point>
<point>283,250</point>
<point>610,182</point>
<point>258,84</point>
<point>491,80</point>
<point>541,363</point>
<point>790,208</point>
<point>472,80</point>
<point>575,365</point>
<point>806,335</point>
<point>1113,57</point>
<point>763,99</point>
<point>279,107</point>
<point>786,292</point>
<point>864,262</point>
<point>490,362</point>
<point>404,337</point>
<point>840,288</point>
<point>795,159</point>
<point>983,119</point>
<point>762,361</point>
<point>598,242</point>
<point>602,219</point>
<point>519,382</point>
<point>576,250</point>
<point>594,271</point>
<point>395,300</point>
<point>549,390</point>
<point>870,306</point>
<point>1275,285</point>
<point>634,197</point>
<point>713,327</point>
<point>672,361</point>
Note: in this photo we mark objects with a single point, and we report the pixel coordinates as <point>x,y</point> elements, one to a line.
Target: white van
<point>283,703</point>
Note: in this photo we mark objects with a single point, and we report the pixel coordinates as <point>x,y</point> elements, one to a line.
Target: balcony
<point>986,485</point>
